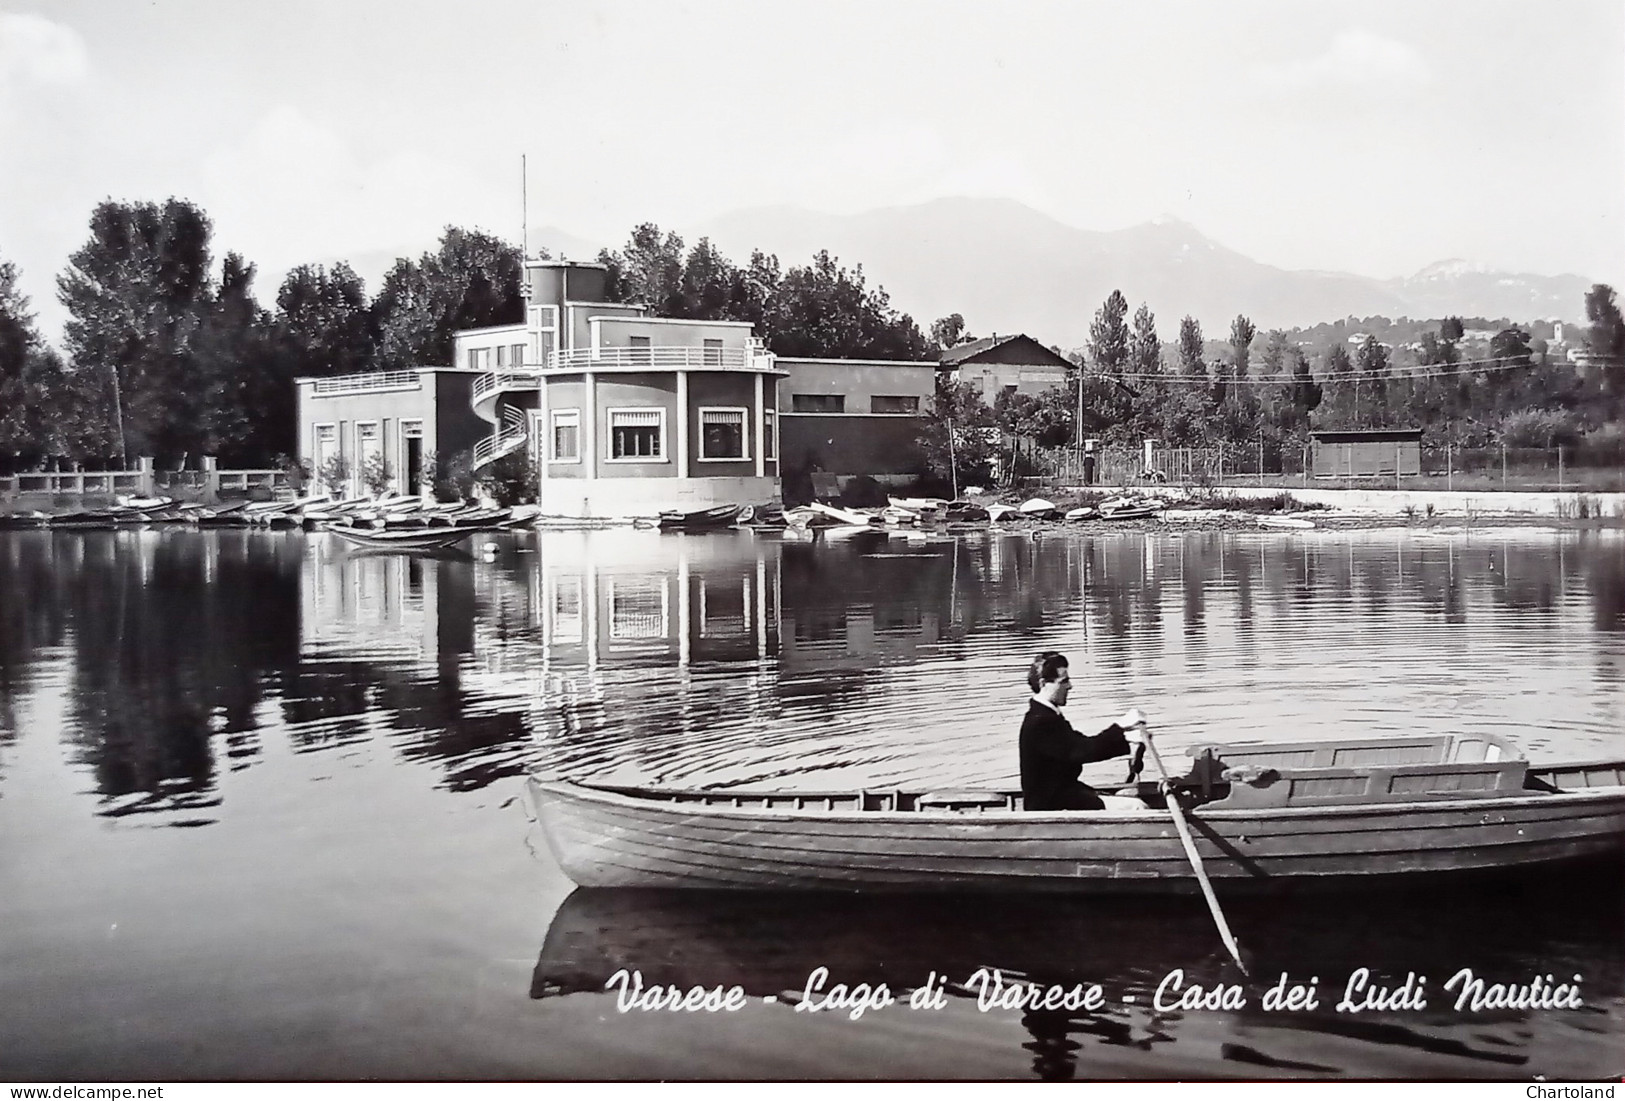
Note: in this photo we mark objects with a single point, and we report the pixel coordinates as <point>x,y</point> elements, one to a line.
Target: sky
<point>1373,138</point>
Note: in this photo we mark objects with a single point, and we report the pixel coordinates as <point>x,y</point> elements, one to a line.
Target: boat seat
<point>956,800</point>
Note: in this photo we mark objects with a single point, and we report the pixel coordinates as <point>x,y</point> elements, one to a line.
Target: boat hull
<point>605,838</point>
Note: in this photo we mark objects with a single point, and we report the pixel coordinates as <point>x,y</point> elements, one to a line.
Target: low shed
<point>1368,453</point>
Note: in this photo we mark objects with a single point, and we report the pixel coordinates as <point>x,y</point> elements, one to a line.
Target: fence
<point>1558,469</point>
<point>207,484</point>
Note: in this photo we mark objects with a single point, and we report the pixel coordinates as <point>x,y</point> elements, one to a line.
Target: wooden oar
<point>1184,831</point>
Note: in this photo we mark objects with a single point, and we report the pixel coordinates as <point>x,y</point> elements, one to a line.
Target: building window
<point>502,356</point>
<point>770,434</point>
<point>884,403</point>
<point>327,440</point>
<point>722,435</point>
<point>641,351</point>
<point>637,435</point>
<point>566,435</point>
<point>818,403</point>
<point>713,353</point>
<point>516,355</point>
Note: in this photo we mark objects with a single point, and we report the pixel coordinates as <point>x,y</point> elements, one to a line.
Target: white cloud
<point>1355,59</point>
<point>37,51</point>
<point>292,191</point>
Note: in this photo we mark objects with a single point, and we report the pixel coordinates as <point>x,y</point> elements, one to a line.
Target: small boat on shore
<point>706,519</point>
<point>1262,814</point>
<point>1293,523</point>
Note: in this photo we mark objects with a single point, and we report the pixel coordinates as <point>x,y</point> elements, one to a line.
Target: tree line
<point>1129,386</point>
<point>169,355</point>
<point>166,354</point>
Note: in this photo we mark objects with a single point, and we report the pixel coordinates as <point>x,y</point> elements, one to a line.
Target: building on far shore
<point>855,416</point>
<point>1367,453</point>
<point>626,414</point>
<point>1012,363</point>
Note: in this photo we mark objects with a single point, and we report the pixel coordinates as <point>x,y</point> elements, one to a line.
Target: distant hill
<point>1008,267</point>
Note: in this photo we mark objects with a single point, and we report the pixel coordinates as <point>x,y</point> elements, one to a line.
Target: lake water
<point>261,808</point>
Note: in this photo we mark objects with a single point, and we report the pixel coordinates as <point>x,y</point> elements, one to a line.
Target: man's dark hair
<point>1045,668</point>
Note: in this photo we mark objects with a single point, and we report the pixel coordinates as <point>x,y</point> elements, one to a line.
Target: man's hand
<point>1131,719</point>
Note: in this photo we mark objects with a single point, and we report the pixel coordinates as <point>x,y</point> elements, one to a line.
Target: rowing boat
<point>1261,814</point>
<point>404,539</point>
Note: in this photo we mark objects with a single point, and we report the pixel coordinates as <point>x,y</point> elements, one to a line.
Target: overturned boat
<point>1261,813</point>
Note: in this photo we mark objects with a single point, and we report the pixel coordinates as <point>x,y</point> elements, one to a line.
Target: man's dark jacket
<point>1052,755</point>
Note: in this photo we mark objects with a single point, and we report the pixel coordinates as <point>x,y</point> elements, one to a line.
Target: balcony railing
<point>371,380</point>
<point>686,358</point>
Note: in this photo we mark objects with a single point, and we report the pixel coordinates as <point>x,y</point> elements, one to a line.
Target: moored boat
<point>1261,814</point>
<point>405,539</point>
<point>721,516</point>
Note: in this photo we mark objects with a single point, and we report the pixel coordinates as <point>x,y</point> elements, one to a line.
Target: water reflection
<point>769,945</point>
<point>730,657</point>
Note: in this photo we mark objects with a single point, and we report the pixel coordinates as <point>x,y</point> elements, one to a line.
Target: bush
<point>376,475</point>
<point>1543,428</point>
<point>334,474</point>
<point>512,480</point>
<point>863,492</point>
<point>453,476</point>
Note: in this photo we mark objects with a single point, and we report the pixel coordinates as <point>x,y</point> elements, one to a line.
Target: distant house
<point>1014,363</point>
<point>1367,453</point>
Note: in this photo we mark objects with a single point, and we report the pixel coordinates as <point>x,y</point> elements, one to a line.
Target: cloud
<point>292,191</point>
<point>34,50</point>
<point>1356,59</point>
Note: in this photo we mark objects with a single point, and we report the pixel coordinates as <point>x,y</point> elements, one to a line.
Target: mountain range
<point>1009,268</point>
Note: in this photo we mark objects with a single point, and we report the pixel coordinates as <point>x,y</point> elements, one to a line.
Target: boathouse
<point>1368,453</point>
<point>388,424</point>
<point>623,413</point>
<point>854,416</point>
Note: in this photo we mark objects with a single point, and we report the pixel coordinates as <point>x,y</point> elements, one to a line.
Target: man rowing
<point>1052,753</point>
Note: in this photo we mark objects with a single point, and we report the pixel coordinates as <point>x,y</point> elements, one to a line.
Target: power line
<point>1433,370</point>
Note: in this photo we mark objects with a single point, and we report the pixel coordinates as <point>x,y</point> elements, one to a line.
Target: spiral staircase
<point>510,426</point>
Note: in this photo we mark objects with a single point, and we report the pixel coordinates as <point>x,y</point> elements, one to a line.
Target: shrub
<point>512,480</point>
<point>334,474</point>
<point>376,475</point>
<point>454,476</point>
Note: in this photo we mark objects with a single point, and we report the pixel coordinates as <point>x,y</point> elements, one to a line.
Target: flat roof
<point>931,363</point>
<point>1369,435</point>
<point>419,370</point>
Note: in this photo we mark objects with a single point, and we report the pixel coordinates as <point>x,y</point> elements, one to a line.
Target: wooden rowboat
<point>1261,814</point>
<point>404,539</point>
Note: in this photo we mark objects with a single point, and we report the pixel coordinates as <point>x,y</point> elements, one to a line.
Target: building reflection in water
<point>730,657</point>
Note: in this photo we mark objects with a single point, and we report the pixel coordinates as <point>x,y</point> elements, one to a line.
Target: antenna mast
<point>524,211</point>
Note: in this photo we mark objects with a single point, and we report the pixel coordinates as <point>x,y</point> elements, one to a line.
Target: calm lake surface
<point>261,808</point>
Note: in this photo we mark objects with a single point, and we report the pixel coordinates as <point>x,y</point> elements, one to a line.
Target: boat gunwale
<point>661,798</point>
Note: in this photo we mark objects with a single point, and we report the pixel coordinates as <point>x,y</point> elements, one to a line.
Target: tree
<point>1109,335</point>
<point>954,439</point>
<point>137,293</point>
<point>650,270</point>
<point>1242,332</point>
<point>946,332</point>
<point>471,280</point>
<point>825,310</point>
<point>1145,349</point>
<point>324,321</point>
<point>246,411</point>
<point>1372,361</point>
<point>1190,348</point>
<point>1606,335</point>
<point>706,288</point>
